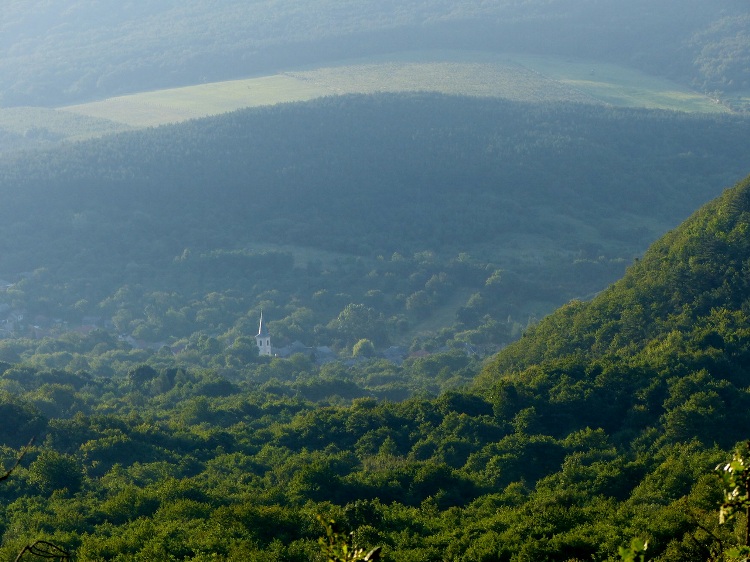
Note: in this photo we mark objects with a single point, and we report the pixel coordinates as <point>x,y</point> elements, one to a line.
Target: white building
<point>263,339</point>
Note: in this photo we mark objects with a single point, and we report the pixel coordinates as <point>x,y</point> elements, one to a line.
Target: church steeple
<point>263,339</point>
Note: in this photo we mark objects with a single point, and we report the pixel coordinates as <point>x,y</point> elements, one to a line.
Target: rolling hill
<point>690,286</point>
<point>672,333</point>
<point>475,74</point>
<point>76,51</point>
<point>125,65</point>
<point>392,242</point>
<point>487,211</point>
<point>535,79</point>
<point>606,438</point>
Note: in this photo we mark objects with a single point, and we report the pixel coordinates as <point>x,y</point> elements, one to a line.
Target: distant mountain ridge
<point>69,51</point>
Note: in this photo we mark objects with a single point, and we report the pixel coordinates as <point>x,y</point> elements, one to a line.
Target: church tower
<point>263,339</point>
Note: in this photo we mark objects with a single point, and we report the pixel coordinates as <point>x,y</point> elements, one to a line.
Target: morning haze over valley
<point>321,280</point>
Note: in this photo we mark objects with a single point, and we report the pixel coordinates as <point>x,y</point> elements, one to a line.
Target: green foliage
<point>685,297</point>
<point>356,322</point>
<point>598,426</point>
<point>635,552</point>
<point>735,477</point>
<point>363,348</point>
<point>141,374</point>
<point>186,289</point>
<point>338,547</point>
<point>52,471</point>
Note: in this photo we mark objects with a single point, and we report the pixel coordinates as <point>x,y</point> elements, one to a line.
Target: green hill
<point>537,79</point>
<point>477,74</point>
<point>690,285</point>
<point>672,334</point>
<point>431,210</point>
<point>73,51</point>
<point>134,268</point>
<point>570,455</point>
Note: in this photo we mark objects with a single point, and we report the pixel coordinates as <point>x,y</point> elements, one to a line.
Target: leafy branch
<point>44,549</point>
<point>18,460</point>
<point>339,547</point>
<point>735,476</point>
<point>40,548</point>
<point>635,552</point>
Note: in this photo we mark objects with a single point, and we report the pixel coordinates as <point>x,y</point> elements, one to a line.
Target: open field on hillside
<point>516,77</point>
<point>35,127</point>
<point>180,104</point>
<point>618,85</point>
<point>503,79</point>
<point>29,121</point>
<point>510,76</point>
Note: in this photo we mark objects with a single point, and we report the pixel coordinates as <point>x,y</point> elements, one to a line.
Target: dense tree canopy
<point>562,453</point>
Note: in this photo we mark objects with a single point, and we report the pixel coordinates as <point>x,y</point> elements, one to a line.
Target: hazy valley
<point>500,251</point>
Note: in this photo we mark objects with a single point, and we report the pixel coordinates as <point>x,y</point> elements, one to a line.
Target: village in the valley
<point>16,323</point>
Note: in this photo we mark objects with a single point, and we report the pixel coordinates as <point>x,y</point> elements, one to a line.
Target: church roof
<point>262,330</point>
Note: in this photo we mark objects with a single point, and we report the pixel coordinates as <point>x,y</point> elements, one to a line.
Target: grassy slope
<point>513,76</point>
<point>620,86</point>
<point>180,104</point>
<point>516,77</point>
<point>36,127</point>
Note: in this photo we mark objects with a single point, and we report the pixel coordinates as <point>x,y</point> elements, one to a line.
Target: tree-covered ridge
<point>692,282</point>
<point>56,53</point>
<point>659,357</point>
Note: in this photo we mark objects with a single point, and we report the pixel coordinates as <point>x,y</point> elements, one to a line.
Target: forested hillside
<point>420,221</point>
<point>400,250</point>
<point>57,53</point>
<point>567,458</point>
<point>690,288</point>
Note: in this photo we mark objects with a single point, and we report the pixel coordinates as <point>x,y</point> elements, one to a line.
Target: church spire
<point>262,330</point>
<point>263,339</point>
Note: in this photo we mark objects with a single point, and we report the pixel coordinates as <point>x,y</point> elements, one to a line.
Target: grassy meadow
<point>511,76</point>
<point>503,79</point>
<point>37,127</point>
<point>620,86</point>
<point>516,77</point>
<point>26,120</point>
<point>180,104</point>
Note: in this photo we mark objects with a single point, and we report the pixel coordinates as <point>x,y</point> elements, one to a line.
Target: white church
<point>263,339</point>
<point>321,354</point>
